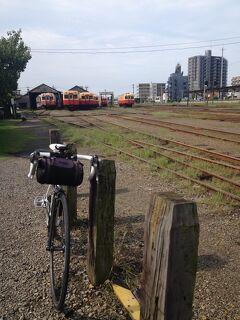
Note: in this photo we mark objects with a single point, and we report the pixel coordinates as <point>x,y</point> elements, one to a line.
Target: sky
<point>96,44</point>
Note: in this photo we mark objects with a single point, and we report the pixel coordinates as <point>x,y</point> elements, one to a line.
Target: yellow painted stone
<point>128,301</point>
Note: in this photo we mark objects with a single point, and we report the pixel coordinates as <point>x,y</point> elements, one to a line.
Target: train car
<point>46,100</point>
<point>75,100</point>
<point>71,99</point>
<point>88,100</point>
<point>126,100</point>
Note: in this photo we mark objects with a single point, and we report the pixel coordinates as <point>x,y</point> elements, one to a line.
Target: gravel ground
<point>24,269</point>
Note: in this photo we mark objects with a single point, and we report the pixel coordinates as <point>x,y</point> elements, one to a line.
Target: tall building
<point>157,90</point>
<point>207,70</point>
<point>177,85</point>
<point>143,91</point>
<point>146,91</point>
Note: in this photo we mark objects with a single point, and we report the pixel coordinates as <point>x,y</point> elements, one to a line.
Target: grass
<point>12,137</point>
<point>217,201</point>
<point>165,114</point>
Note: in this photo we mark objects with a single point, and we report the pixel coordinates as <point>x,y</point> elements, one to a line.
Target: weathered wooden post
<point>101,223</point>
<point>55,137</point>
<point>170,258</point>
<point>72,193</point>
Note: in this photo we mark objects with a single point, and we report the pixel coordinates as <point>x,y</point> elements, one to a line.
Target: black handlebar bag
<point>60,171</point>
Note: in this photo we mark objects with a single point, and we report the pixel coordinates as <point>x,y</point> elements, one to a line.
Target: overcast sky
<point>103,26</point>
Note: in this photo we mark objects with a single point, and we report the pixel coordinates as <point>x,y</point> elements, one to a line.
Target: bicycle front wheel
<point>59,236</point>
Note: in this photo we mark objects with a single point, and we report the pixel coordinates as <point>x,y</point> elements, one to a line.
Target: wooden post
<point>72,193</point>
<point>170,258</point>
<point>55,137</point>
<point>101,223</point>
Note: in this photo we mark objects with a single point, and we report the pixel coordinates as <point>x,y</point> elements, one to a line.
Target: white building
<point>149,91</point>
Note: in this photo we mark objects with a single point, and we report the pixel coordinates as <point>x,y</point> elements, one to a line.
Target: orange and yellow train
<point>75,100</point>
<point>126,100</point>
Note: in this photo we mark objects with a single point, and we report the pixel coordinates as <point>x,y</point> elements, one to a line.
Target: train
<point>75,100</point>
<point>46,101</point>
<point>71,99</point>
<point>126,100</point>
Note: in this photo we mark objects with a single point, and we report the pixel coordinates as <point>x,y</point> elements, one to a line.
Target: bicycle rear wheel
<point>59,247</point>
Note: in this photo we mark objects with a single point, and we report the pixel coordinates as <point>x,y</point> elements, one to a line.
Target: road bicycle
<point>58,168</point>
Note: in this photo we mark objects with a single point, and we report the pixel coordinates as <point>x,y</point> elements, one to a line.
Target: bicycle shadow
<point>74,314</point>
<point>207,262</point>
<point>129,219</point>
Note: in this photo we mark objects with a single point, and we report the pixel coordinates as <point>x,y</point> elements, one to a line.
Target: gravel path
<point>24,268</point>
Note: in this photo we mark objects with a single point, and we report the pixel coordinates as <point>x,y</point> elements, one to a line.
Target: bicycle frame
<point>43,201</point>
<point>57,216</point>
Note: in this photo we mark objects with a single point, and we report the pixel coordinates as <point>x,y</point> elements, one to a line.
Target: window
<point>75,96</point>
<point>43,98</point>
<point>66,96</point>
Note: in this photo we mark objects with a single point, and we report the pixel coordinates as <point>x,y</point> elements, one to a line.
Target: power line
<point>139,47</point>
<point>130,51</point>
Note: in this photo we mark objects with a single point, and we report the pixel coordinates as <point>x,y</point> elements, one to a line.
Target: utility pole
<point>133,88</point>
<point>221,75</point>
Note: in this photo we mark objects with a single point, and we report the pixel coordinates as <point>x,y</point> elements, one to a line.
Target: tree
<point>14,56</point>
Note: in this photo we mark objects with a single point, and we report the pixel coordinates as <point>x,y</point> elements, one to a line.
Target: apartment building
<point>207,70</point>
<point>149,91</point>
<point>157,90</point>
<point>143,91</point>
<point>177,85</point>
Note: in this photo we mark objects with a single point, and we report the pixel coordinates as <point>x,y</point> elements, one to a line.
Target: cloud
<point>72,24</point>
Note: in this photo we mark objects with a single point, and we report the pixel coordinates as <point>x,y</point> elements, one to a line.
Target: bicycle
<point>58,168</point>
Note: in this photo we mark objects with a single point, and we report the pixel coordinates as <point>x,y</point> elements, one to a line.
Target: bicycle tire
<point>59,240</point>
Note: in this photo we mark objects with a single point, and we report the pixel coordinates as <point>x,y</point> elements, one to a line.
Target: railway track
<point>210,115</point>
<point>202,184</point>
<point>143,144</point>
<point>214,154</point>
<point>162,125</point>
<point>192,127</point>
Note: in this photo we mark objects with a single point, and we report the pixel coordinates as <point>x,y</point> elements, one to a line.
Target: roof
<point>43,88</point>
<point>78,88</point>
<point>70,91</point>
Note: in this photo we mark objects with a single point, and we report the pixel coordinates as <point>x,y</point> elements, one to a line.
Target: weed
<point>164,114</point>
<point>12,137</point>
